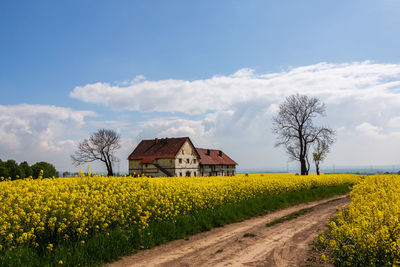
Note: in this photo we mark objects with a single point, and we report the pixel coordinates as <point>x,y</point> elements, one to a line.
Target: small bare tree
<point>321,151</point>
<point>101,146</point>
<point>295,128</point>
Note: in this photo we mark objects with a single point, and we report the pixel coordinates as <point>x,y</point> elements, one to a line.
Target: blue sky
<point>50,49</point>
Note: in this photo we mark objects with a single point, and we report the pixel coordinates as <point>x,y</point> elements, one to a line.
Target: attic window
<point>183,151</point>
<point>194,160</point>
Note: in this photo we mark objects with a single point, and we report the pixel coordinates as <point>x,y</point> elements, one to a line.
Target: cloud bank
<point>363,100</point>
<point>230,112</point>
<point>335,83</point>
<point>40,132</point>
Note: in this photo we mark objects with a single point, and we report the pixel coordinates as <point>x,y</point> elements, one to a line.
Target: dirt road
<point>247,243</point>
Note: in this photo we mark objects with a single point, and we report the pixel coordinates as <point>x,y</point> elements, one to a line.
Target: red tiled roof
<point>214,158</point>
<point>149,150</point>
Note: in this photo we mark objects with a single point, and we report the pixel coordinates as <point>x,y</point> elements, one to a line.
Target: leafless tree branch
<point>295,130</point>
<point>101,146</point>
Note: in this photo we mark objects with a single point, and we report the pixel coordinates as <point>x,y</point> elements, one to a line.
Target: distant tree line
<point>12,169</point>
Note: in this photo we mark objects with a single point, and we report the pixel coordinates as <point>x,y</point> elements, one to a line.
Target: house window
<point>170,161</point>
<point>187,160</point>
<point>188,174</point>
<point>194,161</point>
<point>180,160</point>
<point>180,174</point>
<point>194,174</point>
<point>145,165</point>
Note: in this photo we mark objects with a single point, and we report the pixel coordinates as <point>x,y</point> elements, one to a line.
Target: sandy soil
<point>284,244</point>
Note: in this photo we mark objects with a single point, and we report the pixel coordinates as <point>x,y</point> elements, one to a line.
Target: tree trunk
<point>109,166</point>
<point>317,167</point>
<point>303,166</point>
<point>110,172</point>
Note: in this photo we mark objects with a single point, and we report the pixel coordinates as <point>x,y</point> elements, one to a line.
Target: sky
<point>215,71</point>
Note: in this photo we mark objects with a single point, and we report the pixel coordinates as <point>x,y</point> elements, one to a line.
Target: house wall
<point>187,161</point>
<point>168,164</point>
<point>135,166</point>
<point>218,170</point>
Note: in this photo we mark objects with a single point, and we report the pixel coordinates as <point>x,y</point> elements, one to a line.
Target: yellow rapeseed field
<point>40,212</point>
<point>368,232</point>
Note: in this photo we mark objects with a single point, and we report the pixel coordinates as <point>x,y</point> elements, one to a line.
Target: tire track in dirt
<point>284,244</point>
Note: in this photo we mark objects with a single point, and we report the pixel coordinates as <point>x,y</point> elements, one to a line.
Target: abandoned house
<point>178,157</point>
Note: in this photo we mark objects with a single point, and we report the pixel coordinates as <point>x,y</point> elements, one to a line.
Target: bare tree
<point>101,146</point>
<point>321,151</point>
<point>295,129</point>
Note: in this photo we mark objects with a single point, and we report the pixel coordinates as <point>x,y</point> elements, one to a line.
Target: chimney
<point>220,153</point>
<point>156,140</point>
<point>208,152</point>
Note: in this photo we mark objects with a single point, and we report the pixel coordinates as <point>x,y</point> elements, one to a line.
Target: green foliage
<point>48,169</point>
<point>26,169</point>
<point>107,247</point>
<point>14,171</point>
<point>10,168</point>
<point>249,235</point>
<point>3,170</point>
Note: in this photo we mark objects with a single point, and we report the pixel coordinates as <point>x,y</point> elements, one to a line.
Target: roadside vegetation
<point>89,220</point>
<point>368,232</point>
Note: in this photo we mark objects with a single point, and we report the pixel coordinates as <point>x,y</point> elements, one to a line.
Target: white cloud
<point>334,82</point>
<point>394,122</point>
<point>369,129</point>
<point>39,132</point>
<point>175,127</point>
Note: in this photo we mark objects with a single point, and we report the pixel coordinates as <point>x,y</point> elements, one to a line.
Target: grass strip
<point>108,247</point>
<point>298,213</point>
<point>249,235</point>
<point>290,216</point>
